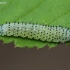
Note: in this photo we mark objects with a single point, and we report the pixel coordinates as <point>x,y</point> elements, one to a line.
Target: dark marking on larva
<point>14,21</point>
<point>18,22</point>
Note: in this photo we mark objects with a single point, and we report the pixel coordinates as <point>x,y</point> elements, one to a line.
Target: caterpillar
<point>36,31</point>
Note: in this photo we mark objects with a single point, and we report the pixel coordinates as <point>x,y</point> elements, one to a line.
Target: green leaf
<point>52,12</point>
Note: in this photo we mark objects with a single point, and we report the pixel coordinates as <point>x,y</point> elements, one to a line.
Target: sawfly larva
<point>36,31</point>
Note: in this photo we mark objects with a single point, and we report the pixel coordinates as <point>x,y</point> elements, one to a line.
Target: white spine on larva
<point>36,31</point>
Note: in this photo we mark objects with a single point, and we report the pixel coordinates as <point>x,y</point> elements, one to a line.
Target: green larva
<point>36,31</point>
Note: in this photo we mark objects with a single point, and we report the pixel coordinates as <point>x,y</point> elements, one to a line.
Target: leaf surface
<point>48,12</point>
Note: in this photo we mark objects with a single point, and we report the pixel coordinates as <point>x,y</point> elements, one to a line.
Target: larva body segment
<point>36,31</point>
